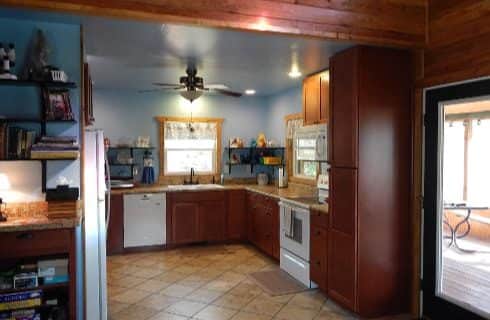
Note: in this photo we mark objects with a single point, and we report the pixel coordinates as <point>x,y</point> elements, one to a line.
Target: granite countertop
<point>294,192</point>
<point>37,223</point>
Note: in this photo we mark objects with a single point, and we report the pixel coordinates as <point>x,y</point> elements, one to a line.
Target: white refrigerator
<point>95,226</point>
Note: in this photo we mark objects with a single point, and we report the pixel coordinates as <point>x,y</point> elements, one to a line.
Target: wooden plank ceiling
<point>385,22</point>
<point>459,41</point>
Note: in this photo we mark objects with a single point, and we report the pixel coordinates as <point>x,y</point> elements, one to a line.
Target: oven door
<point>298,242</point>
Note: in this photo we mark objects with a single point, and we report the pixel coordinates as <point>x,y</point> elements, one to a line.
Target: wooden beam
<point>384,22</point>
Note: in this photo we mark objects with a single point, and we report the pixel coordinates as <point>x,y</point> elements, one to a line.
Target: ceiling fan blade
<point>217,86</point>
<point>161,84</point>
<point>157,90</point>
<point>227,92</point>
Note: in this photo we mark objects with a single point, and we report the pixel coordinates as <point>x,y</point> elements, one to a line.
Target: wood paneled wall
<point>386,22</point>
<point>458,41</point>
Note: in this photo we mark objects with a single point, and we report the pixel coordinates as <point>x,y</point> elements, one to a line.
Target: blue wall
<point>64,41</point>
<point>130,114</point>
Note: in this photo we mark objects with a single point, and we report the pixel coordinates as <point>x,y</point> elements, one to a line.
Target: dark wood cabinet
<point>196,217</point>
<point>31,246</point>
<point>236,215</point>
<point>185,222</point>
<point>212,221</point>
<point>344,74</point>
<point>263,220</point>
<point>318,253</point>
<point>370,152</point>
<point>316,98</point>
<point>115,231</point>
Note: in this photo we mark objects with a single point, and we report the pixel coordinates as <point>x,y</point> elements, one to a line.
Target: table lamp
<point>4,185</point>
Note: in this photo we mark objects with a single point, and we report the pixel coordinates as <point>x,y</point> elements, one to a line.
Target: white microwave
<point>310,143</point>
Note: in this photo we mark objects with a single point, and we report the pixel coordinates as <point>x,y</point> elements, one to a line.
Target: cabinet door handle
<point>25,236</point>
<point>318,232</point>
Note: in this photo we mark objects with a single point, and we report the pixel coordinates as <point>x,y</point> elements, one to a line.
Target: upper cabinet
<point>316,98</point>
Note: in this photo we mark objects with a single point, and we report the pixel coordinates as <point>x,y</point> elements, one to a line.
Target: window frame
<point>171,178</point>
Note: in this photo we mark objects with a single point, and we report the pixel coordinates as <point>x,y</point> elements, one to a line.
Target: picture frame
<point>88,107</point>
<point>57,105</point>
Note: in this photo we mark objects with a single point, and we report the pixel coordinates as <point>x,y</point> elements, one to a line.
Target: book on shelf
<point>15,142</point>
<point>55,148</point>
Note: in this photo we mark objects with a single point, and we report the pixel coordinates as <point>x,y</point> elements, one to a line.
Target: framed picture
<point>57,104</point>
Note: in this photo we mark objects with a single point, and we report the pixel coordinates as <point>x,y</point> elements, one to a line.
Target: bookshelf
<point>253,154</point>
<point>125,167</point>
<point>40,120</point>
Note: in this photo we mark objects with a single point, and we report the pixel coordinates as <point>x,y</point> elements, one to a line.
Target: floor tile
<point>158,302</point>
<point>171,276</point>
<point>135,312</point>
<point>114,307</point>
<point>215,313</point>
<point>204,295</point>
<point>232,301</point>
<point>176,290</point>
<point>220,285</point>
<point>285,298</point>
<point>250,316</point>
<point>292,312</point>
<point>147,273</point>
<point>167,316</point>
<point>186,308</point>
<point>310,299</point>
<point>127,282</point>
<point>246,290</point>
<point>130,296</point>
<point>328,315</point>
<point>263,306</point>
<point>153,285</point>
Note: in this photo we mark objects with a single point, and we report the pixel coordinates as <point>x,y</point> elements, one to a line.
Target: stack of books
<point>20,300</point>
<point>15,143</point>
<point>55,148</point>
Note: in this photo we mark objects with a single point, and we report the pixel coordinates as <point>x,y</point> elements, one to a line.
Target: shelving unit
<point>131,166</point>
<point>40,120</point>
<point>253,156</point>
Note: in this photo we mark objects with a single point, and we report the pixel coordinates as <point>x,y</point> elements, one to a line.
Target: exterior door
<point>456,233</point>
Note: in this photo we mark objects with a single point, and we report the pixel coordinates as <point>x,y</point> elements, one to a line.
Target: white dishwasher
<point>144,219</point>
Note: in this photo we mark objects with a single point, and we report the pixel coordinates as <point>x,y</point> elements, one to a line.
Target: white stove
<point>295,240</point>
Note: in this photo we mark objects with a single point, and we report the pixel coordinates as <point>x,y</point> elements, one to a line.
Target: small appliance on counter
<point>322,185</point>
<point>282,178</point>
<point>262,179</point>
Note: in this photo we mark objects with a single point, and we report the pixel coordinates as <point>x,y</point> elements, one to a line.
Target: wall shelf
<point>33,83</point>
<point>254,154</point>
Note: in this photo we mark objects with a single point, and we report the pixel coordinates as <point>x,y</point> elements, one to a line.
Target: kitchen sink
<point>208,186</point>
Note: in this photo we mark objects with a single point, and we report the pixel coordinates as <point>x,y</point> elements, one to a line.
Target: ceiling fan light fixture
<point>250,92</point>
<point>191,95</point>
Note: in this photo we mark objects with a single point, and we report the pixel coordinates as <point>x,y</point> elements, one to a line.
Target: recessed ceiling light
<point>294,74</point>
<point>250,92</point>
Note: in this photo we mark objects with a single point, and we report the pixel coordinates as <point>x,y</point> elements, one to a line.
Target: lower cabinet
<point>196,217</point>
<point>318,255</point>
<point>211,221</point>
<point>263,223</point>
<point>237,215</point>
<point>185,222</point>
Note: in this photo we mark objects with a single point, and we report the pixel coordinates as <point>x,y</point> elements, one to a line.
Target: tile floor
<point>206,283</point>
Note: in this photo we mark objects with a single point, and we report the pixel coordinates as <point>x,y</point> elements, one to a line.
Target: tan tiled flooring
<point>206,283</point>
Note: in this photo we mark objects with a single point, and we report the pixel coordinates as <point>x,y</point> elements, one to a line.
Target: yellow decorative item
<point>261,141</point>
<point>271,160</point>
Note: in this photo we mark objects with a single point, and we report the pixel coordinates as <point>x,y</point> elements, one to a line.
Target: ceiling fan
<point>192,87</point>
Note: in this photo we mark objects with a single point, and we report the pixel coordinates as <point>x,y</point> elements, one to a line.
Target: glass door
<point>456,259</point>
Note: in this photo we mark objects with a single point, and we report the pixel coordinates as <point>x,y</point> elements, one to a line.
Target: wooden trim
<point>177,178</point>
<point>382,22</point>
<point>289,153</point>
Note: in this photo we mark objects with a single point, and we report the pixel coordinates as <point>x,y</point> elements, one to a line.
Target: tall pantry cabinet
<point>370,158</point>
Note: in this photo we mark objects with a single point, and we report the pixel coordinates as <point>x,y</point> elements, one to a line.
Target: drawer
<point>196,196</point>
<point>319,218</point>
<point>35,243</point>
<point>318,256</point>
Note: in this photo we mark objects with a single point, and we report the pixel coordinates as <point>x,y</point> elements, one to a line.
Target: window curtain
<point>291,127</point>
<point>177,130</point>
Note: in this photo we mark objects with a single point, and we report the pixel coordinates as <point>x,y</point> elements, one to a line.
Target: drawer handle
<point>25,236</point>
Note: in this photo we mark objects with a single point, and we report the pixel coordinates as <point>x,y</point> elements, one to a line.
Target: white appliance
<point>144,220</point>
<point>295,241</point>
<point>310,143</point>
<point>94,226</point>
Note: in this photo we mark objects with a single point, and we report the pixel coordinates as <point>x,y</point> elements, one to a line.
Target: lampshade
<point>4,182</point>
<point>191,95</point>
